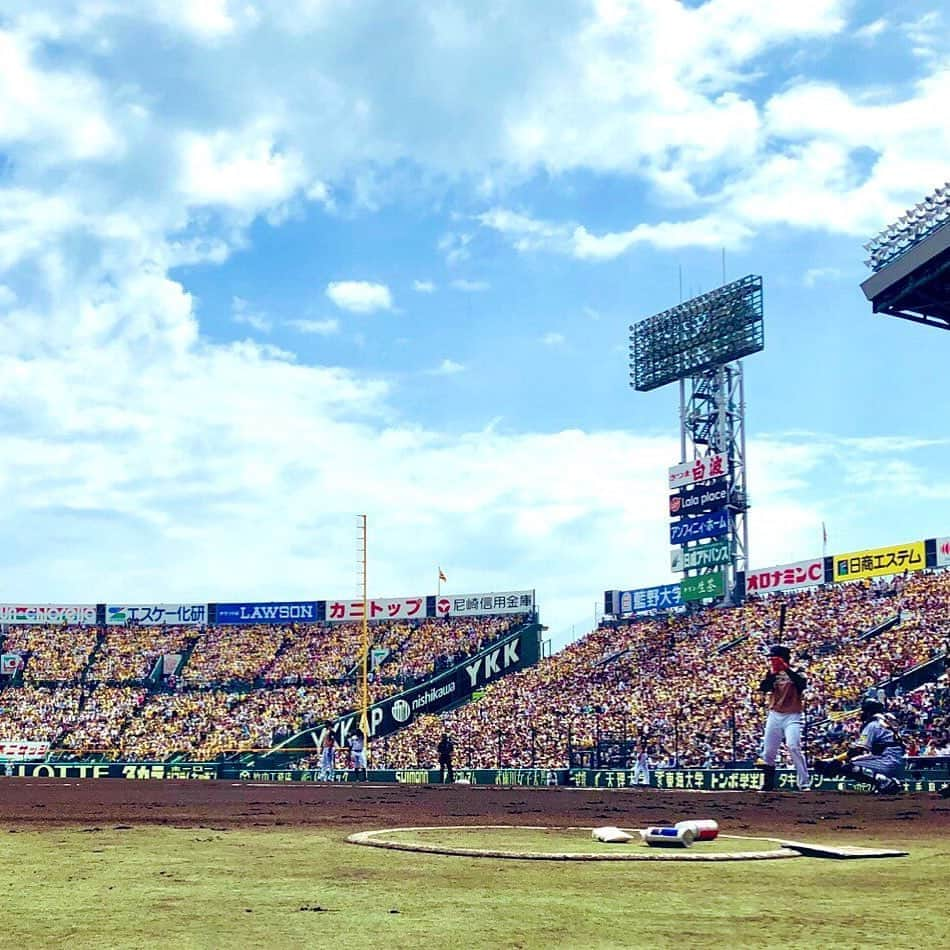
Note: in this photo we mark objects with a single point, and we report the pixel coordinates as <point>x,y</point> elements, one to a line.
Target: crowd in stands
<point>682,686</point>
<point>53,654</point>
<point>105,693</point>
<point>685,686</point>
<point>129,654</point>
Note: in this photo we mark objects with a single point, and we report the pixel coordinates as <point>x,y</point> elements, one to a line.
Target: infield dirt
<point>50,802</point>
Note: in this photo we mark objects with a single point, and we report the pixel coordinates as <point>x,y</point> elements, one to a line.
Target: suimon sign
<point>767,580</point>
<point>943,552</point>
<point>699,470</point>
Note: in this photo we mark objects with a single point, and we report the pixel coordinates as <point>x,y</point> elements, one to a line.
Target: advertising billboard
<point>396,608</point>
<point>767,580</point>
<point>702,586</point>
<point>714,524</point>
<point>704,555</point>
<point>878,562</point>
<point>48,613</point>
<point>278,611</point>
<point>699,498</point>
<point>645,599</point>
<point>486,604</point>
<point>156,615</point>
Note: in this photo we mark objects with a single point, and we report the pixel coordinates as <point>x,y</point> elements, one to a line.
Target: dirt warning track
<point>25,802</point>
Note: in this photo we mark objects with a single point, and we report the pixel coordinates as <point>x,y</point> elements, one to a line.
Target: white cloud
<point>359,296</point>
<point>525,232</point>
<point>815,275</point>
<point>320,192</point>
<point>206,20</point>
<point>316,327</point>
<point>871,30</point>
<point>61,113</point>
<point>166,466</point>
<point>245,170</point>
<point>553,339</point>
<point>423,286</point>
<point>927,34</point>
<point>471,286</point>
<point>708,233</point>
<point>242,312</point>
<point>455,247</point>
<point>7,297</point>
<point>447,367</point>
<point>529,234</point>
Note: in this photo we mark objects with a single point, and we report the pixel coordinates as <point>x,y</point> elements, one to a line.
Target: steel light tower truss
<point>712,421</point>
<point>699,343</point>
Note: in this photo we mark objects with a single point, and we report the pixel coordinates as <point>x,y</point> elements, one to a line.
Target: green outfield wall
<point>696,780</point>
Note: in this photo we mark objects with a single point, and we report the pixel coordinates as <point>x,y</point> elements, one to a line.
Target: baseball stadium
<point>257,746</point>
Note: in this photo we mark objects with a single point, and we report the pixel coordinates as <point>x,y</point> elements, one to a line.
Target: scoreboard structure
<point>700,344</point>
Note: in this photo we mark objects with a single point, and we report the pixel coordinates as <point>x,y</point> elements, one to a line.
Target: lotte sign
<point>943,552</point>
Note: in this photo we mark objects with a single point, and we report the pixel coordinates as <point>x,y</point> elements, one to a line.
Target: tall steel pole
<point>364,697</point>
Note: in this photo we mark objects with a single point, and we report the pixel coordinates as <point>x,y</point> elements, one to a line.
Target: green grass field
<point>303,888</point>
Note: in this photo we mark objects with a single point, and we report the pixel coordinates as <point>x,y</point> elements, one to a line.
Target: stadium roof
<point>911,263</point>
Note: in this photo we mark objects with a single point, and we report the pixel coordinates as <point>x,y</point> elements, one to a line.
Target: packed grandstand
<point>680,685</point>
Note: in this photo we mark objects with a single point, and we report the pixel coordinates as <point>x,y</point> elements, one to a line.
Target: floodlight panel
<point>911,228</point>
<point>699,334</point>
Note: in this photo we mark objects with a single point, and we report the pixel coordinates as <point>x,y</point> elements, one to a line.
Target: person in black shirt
<point>445,749</point>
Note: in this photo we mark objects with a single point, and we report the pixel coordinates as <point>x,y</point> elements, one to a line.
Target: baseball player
<point>641,767</point>
<point>327,757</point>
<point>784,687</point>
<point>876,757</point>
<point>357,745</point>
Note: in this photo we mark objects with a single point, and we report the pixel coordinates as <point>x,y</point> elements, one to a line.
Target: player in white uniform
<point>784,687</point>
<point>327,757</point>
<point>641,767</point>
<point>358,754</point>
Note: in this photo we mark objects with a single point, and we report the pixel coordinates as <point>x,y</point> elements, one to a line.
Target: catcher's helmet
<point>870,708</point>
<point>778,650</point>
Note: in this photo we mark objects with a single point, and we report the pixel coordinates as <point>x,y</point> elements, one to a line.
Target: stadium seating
<point>683,685</point>
<point>92,693</point>
<point>663,682</point>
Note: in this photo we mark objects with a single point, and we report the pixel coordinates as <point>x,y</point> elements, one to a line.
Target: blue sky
<point>263,267</point>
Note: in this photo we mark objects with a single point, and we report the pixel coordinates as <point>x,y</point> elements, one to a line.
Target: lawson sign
<point>279,611</point>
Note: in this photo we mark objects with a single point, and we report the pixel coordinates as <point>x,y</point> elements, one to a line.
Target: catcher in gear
<point>876,757</point>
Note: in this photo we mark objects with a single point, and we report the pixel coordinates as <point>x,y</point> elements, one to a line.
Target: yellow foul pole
<point>364,711</point>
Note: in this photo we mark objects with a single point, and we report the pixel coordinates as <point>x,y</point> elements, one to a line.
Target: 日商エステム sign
<point>879,562</point>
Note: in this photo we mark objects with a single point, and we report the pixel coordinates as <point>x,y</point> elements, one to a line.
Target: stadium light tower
<point>700,343</point>
<point>911,263</point>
